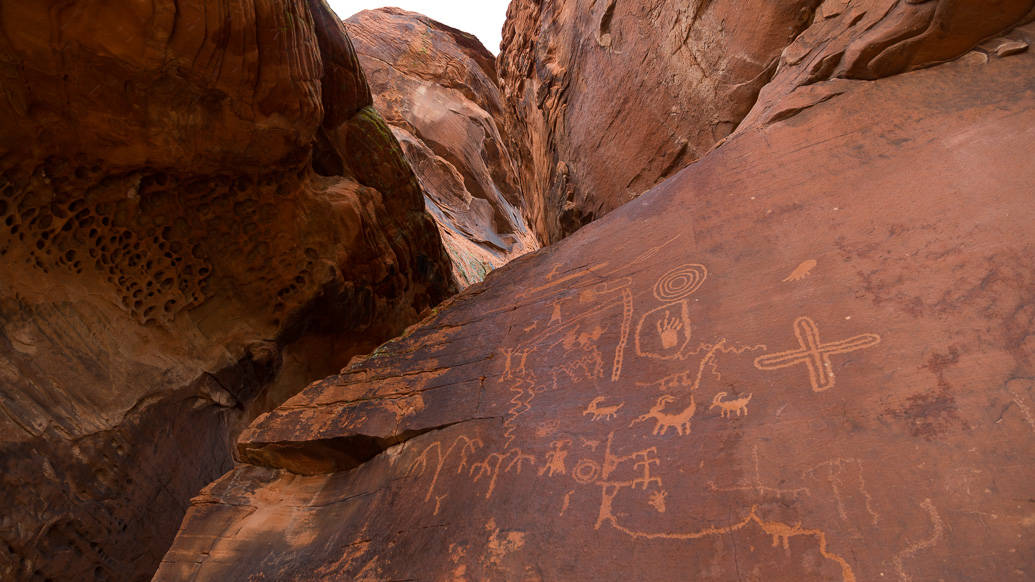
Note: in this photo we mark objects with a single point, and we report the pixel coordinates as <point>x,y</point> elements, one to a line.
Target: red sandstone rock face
<point>197,203</point>
<point>604,99</point>
<point>808,356</point>
<point>436,87</point>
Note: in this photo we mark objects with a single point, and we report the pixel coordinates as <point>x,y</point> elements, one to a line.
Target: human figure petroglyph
<point>937,530</point>
<point>601,412</point>
<point>555,459</point>
<point>666,420</point>
<point>815,354</point>
<point>728,407</point>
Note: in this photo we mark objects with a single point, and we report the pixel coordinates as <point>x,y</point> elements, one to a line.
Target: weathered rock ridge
<point>436,88</point>
<point>808,356</point>
<point>200,212</point>
<point>605,99</point>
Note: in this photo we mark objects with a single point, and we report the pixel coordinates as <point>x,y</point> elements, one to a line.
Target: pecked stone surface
<point>199,212</point>
<point>605,99</point>
<point>436,87</point>
<point>808,356</point>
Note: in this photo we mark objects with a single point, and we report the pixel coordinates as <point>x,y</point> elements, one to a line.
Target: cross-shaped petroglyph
<point>815,354</point>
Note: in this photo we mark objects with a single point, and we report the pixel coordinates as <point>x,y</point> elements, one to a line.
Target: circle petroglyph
<point>680,282</point>
<point>585,471</point>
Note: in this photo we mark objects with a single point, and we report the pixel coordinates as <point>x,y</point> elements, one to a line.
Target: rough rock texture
<point>436,88</point>
<point>197,204</point>
<point>606,98</point>
<point>808,356</point>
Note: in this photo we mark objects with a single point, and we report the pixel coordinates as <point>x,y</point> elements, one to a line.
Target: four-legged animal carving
<point>729,407</point>
<point>598,412</point>
<point>680,421</point>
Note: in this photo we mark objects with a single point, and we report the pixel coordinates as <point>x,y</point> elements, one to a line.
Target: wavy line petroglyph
<point>780,532</point>
<point>814,354</point>
<point>937,529</point>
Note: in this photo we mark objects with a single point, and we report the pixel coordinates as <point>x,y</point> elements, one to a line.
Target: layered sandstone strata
<point>200,211</point>
<point>436,87</point>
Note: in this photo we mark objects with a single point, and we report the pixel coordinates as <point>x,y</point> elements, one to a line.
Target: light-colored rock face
<point>198,206</point>
<point>808,356</point>
<point>436,87</point>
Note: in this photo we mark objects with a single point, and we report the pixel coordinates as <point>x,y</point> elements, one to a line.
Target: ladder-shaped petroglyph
<point>663,332</point>
<point>728,407</point>
<point>599,412</point>
<point>814,354</point>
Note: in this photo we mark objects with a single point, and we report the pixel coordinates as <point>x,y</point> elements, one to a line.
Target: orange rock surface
<point>436,87</point>
<point>810,355</point>
<point>199,213</point>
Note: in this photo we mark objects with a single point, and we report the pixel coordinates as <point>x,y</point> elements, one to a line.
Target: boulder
<point>200,212</point>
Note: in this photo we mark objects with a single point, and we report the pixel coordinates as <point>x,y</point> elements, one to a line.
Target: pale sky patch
<point>482,18</point>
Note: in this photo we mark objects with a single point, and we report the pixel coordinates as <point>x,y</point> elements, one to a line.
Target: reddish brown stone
<point>808,356</point>
<point>436,87</point>
<point>197,204</point>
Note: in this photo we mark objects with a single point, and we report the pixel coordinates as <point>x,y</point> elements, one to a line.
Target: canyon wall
<point>200,211</point>
<point>807,356</point>
<point>605,99</point>
<point>436,88</point>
